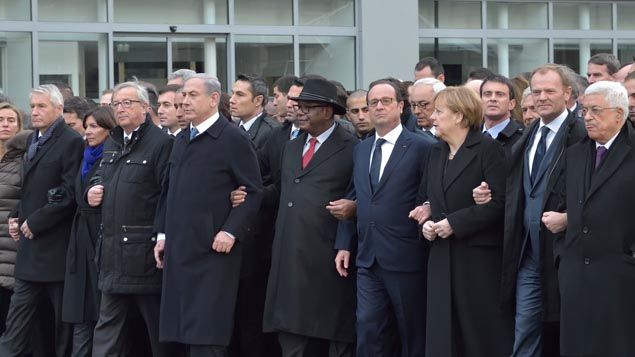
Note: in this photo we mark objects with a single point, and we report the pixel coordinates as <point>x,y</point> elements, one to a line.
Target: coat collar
<point>621,147</point>
<point>57,131</point>
<point>464,156</point>
<point>333,144</point>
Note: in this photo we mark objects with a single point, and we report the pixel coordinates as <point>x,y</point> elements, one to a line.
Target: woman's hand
<point>428,231</point>
<point>443,228</point>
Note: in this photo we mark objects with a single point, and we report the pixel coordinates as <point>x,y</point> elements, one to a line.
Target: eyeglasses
<point>595,111</point>
<point>357,110</point>
<point>423,105</point>
<point>305,108</point>
<point>124,103</point>
<point>384,101</point>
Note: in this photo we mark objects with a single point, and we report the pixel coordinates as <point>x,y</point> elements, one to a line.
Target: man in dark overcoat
<point>42,222</point>
<point>308,304</point>
<point>201,237</point>
<point>596,260</point>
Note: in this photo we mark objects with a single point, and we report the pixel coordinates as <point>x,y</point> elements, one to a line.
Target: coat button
<point>154,239</point>
<point>296,180</point>
<point>144,162</point>
<point>290,204</point>
<point>127,161</point>
<point>585,229</point>
<point>587,261</point>
<point>125,239</point>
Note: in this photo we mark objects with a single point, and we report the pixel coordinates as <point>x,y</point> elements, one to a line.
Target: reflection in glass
<point>332,57</point>
<point>516,15</point>
<point>625,16</point>
<point>15,10</point>
<point>626,51</point>
<point>575,53</point>
<point>15,66</point>
<point>458,56</point>
<point>268,56</point>
<point>263,12</point>
<point>171,11</point>
<point>208,55</point>
<point>84,67</point>
<point>144,58</point>
<point>72,10</point>
<point>449,14</point>
<point>512,56</point>
<point>582,16</point>
<point>327,13</point>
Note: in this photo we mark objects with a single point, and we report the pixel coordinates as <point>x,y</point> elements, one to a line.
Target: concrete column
<point>102,65</point>
<point>584,18</point>
<point>209,44</point>
<point>503,46</point>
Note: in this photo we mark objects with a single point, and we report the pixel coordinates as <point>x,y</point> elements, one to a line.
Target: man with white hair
<point>41,223</point>
<point>180,76</point>
<point>596,258</point>
<point>421,97</point>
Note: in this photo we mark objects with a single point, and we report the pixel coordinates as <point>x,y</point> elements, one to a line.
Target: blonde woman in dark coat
<point>13,144</point>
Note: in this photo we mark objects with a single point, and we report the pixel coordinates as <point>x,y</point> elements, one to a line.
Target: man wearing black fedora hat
<point>310,307</point>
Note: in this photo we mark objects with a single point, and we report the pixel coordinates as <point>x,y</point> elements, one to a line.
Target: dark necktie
<point>193,133</point>
<point>375,164</point>
<point>308,155</point>
<point>126,141</point>
<point>541,150</point>
<point>600,154</point>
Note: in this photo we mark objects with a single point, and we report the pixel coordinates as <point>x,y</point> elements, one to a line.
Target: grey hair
<point>142,93</point>
<point>211,83</point>
<point>526,92</point>
<point>358,94</point>
<point>436,84</point>
<point>614,93</point>
<point>52,91</point>
<point>181,73</point>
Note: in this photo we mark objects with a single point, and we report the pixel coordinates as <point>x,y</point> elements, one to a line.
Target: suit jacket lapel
<point>295,154</point>
<point>253,129</point>
<point>40,153</point>
<point>401,146</point>
<point>618,152</point>
<point>364,161</point>
<point>328,148</point>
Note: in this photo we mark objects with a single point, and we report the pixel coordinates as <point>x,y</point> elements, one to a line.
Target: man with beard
<point>357,113</point>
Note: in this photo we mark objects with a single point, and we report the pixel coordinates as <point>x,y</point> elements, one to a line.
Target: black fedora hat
<point>320,90</point>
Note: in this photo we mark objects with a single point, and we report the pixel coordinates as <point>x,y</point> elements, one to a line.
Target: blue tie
<point>295,133</point>
<point>193,133</point>
<point>375,164</point>
<point>541,150</point>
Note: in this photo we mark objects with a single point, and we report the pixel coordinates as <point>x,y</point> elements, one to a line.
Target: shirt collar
<point>250,122</point>
<point>207,123</point>
<point>129,136</point>
<point>556,123</point>
<point>392,135</point>
<point>496,129</point>
<point>178,130</point>
<point>608,143</point>
<point>325,135</point>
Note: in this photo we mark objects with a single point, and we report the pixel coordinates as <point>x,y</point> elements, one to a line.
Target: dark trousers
<point>5,301</point>
<point>528,330</point>
<point>83,339</point>
<point>378,292</point>
<point>303,346</point>
<point>110,334</point>
<point>25,301</point>
<point>206,351</point>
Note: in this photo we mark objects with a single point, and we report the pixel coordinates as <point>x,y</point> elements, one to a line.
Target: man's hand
<point>223,243</point>
<point>555,222</point>
<point>342,209</point>
<point>341,262</point>
<point>443,228</point>
<point>14,229</point>
<point>420,213</point>
<point>237,196</point>
<point>158,252</point>
<point>26,230</point>
<point>95,195</point>
<point>482,194</point>
<point>428,231</point>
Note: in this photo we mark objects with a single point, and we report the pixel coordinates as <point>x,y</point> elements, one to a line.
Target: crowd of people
<point>410,218</point>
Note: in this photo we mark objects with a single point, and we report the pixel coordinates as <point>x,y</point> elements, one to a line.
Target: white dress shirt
<point>247,125</point>
<point>554,126</point>
<point>320,140</point>
<point>608,143</point>
<point>386,149</point>
<point>496,129</point>
<point>178,130</point>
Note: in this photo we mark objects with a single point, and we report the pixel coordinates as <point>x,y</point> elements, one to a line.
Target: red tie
<point>308,155</point>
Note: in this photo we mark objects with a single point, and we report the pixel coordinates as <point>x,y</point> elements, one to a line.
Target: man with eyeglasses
<point>421,97</point>
<point>357,113</point>
<point>127,187</point>
<point>310,307</point>
<point>597,257</point>
<point>391,259</point>
<point>497,95</point>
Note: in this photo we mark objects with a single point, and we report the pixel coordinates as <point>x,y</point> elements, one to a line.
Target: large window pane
<point>576,53</point>
<point>450,14</point>
<point>626,51</point>
<point>327,12</point>
<point>144,58</point>
<point>512,56</point>
<point>263,12</point>
<point>16,67</point>
<point>171,11</point>
<point>72,10</point>
<point>84,66</point>
<point>516,15</point>
<point>331,57</point>
<point>458,56</point>
<point>208,55</point>
<point>268,56</point>
<point>15,10</point>
<point>625,16</point>
<point>582,16</point>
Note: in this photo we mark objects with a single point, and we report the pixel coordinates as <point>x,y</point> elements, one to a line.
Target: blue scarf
<point>91,156</point>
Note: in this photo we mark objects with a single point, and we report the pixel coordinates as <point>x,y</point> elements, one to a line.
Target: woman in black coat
<point>81,295</point>
<point>464,317</point>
